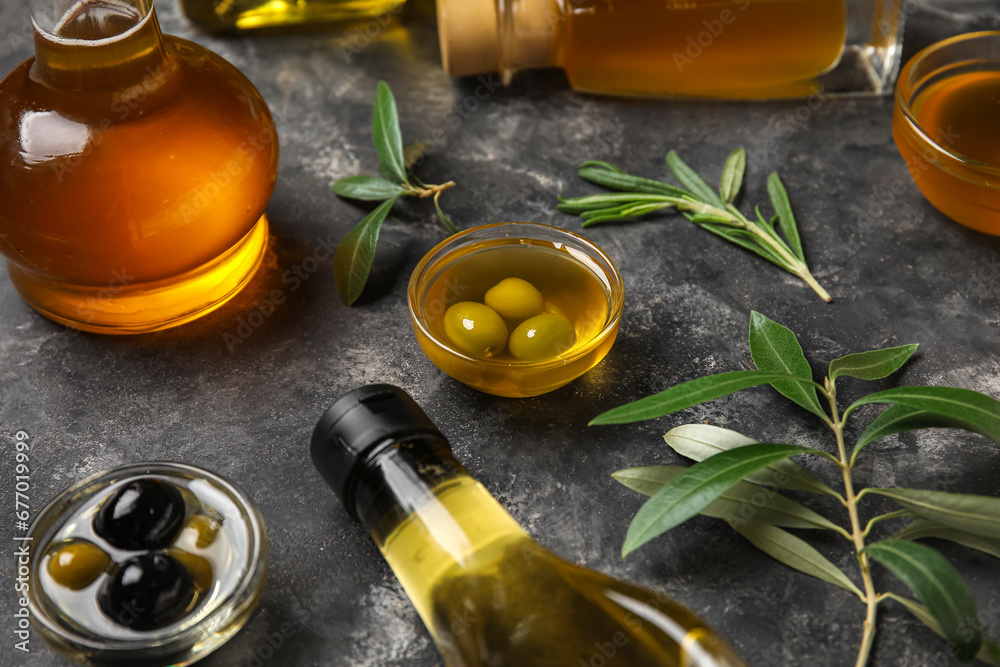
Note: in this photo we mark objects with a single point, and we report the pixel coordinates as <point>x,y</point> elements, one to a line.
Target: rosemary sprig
<point>353,259</point>
<point>701,205</point>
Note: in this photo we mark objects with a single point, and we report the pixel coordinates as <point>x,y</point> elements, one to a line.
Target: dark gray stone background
<point>899,270</point>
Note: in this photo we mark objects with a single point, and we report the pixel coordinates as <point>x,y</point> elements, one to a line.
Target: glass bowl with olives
<point>146,565</point>
<point>516,308</point>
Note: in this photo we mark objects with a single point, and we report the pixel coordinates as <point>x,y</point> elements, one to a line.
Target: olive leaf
<point>354,256</point>
<point>352,262</point>
<point>686,395</point>
<point>697,487</point>
<point>743,502</point>
<point>699,204</point>
<point>795,553</point>
<point>730,464</point>
<point>387,136</point>
<point>367,188</point>
<point>900,418</point>
<point>701,441</point>
<point>872,365</point>
<point>775,348</point>
<point>938,586</point>
<point>979,515</point>
<point>921,528</point>
<point>989,652</point>
<point>979,411</point>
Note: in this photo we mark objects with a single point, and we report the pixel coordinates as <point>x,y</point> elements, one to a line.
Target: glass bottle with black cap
<point>488,593</point>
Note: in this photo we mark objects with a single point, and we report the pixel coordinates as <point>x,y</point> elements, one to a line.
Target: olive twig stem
<point>871,598</point>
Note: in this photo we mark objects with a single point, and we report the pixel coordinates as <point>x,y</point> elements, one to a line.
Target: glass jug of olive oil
<point>488,593</point>
<point>135,168</point>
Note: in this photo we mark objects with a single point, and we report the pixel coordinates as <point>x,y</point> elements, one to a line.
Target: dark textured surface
<point>900,272</point>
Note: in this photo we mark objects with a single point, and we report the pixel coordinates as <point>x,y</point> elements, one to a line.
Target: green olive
<point>199,568</point>
<point>77,564</point>
<point>199,530</point>
<point>475,329</point>
<point>542,337</point>
<point>515,299</point>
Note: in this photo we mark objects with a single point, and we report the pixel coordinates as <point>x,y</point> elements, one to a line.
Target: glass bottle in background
<point>135,168</point>
<point>709,48</point>
<point>488,593</point>
<point>250,14</point>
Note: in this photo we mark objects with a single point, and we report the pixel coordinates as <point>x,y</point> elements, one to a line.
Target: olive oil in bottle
<point>488,593</point>
<point>718,48</point>
<point>249,14</point>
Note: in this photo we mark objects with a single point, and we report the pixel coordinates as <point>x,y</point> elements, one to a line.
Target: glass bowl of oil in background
<point>576,278</point>
<point>945,126</point>
<point>72,621</point>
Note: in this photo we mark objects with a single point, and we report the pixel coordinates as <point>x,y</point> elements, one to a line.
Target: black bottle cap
<point>354,425</point>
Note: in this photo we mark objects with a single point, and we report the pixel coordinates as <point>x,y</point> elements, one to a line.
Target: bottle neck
<point>530,33</point>
<point>97,46</point>
<point>430,519</point>
<point>480,36</point>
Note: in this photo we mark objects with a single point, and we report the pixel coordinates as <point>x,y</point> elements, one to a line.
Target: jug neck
<point>479,36</point>
<point>95,46</point>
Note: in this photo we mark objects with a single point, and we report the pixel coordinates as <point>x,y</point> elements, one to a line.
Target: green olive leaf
<point>775,348</point>
<point>989,653</point>
<point>796,553</point>
<point>686,395</point>
<point>697,487</point>
<point>743,502</point>
<point>352,262</point>
<point>387,136</point>
<point>921,528</point>
<point>702,441</point>
<point>900,418</point>
<point>979,411</point>
<point>979,515</point>
<point>872,365</point>
<point>366,188</point>
<point>938,586</point>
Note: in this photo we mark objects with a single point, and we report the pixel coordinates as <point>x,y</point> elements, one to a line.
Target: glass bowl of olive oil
<point>146,565</point>
<point>944,125</point>
<point>516,308</point>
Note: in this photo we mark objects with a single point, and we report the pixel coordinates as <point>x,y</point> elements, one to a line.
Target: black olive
<point>148,592</point>
<point>142,514</point>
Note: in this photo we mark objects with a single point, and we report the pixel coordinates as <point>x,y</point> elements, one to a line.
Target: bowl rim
<point>903,104</point>
<point>246,591</point>
<point>615,307</point>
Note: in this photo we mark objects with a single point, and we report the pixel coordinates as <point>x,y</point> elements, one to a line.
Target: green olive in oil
<point>552,298</point>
